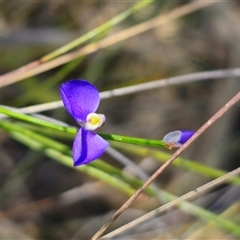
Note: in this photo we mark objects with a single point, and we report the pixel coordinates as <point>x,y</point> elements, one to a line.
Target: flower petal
<point>87,147</point>
<point>79,98</point>
<point>177,138</point>
<point>185,135</point>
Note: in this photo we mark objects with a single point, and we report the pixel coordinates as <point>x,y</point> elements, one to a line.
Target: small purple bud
<point>176,139</point>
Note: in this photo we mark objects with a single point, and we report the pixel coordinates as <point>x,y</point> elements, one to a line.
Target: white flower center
<point>94,121</point>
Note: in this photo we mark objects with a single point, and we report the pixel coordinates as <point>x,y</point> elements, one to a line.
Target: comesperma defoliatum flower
<point>176,139</point>
<point>81,99</point>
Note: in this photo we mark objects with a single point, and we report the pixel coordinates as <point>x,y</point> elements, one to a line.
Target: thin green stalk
<point>179,162</point>
<point>208,216</point>
<point>32,141</point>
<point>187,207</point>
<point>104,27</point>
<point>41,143</point>
<point>31,92</point>
<point>36,121</point>
<point>67,161</point>
<point>91,171</point>
<point>134,140</point>
<point>72,130</point>
<point>203,214</point>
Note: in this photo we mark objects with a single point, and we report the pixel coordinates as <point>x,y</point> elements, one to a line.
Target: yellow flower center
<point>94,121</point>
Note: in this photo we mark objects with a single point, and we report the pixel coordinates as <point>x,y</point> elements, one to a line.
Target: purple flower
<point>81,99</point>
<point>177,138</point>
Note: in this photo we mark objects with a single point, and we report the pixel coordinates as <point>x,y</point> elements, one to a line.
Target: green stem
<point>33,141</point>
<point>62,153</point>
<point>37,121</point>
<point>134,140</point>
<point>179,162</point>
<point>97,30</point>
<point>73,130</point>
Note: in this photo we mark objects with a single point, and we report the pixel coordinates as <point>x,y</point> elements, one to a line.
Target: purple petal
<point>177,138</point>
<point>185,135</point>
<point>87,147</point>
<point>79,98</point>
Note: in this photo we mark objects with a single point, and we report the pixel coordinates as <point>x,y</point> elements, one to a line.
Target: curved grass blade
<point>27,137</point>
<point>95,32</point>
<point>179,162</point>
<point>104,27</point>
<point>41,143</point>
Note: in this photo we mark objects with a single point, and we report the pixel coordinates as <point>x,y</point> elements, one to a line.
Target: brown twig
<point>188,196</point>
<point>35,68</point>
<point>213,119</point>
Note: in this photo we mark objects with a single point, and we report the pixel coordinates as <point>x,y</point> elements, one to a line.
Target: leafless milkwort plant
<point>202,129</point>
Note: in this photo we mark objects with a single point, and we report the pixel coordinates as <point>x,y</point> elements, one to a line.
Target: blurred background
<point>42,199</point>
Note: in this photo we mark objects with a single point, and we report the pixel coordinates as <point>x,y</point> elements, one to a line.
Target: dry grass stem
<point>192,77</point>
<point>190,195</point>
<point>213,119</point>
